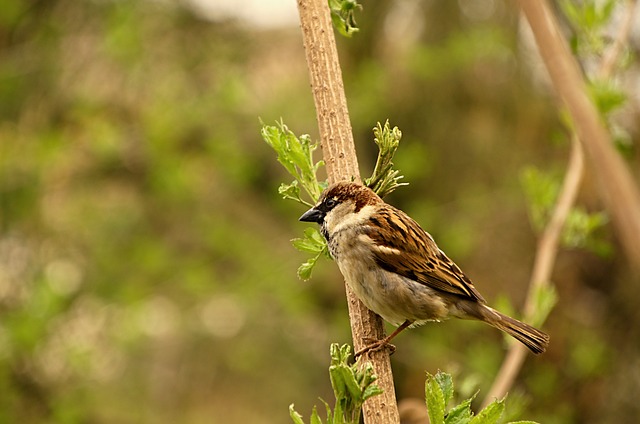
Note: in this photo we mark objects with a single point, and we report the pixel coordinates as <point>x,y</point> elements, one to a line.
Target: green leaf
<point>297,418</point>
<point>296,156</point>
<point>343,381</point>
<point>315,419</point>
<point>435,400</point>
<point>343,16</point>
<point>607,96</point>
<point>545,298</point>
<point>460,414</point>
<point>328,411</point>
<point>489,415</point>
<point>352,385</point>
<point>292,192</point>
<point>581,227</point>
<point>371,391</point>
<point>305,270</point>
<point>541,190</point>
<point>313,241</point>
<point>385,179</point>
<point>446,385</point>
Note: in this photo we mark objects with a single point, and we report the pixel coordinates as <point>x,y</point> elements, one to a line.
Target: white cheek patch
<point>340,219</point>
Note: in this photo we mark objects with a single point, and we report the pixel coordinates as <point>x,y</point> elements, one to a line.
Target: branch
<point>543,266</point>
<point>340,158</point>
<point>550,239</point>
<point>615,183</point>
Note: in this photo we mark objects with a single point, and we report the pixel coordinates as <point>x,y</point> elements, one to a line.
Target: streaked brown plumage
<point>397,270</point>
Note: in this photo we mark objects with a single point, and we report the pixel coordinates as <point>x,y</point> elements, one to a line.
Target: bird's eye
<point>331,203</point>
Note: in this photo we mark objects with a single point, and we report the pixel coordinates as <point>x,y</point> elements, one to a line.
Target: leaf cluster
<point>343,16</point>
<point>385,179</point>
<point>352,385</point>
<point>295,154</point>
<point>582,229</point>
<point>439,394</point>
<point>587,19</point>
<point>591,21</point>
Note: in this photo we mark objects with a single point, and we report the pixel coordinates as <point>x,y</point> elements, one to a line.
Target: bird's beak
<point>313,215</point>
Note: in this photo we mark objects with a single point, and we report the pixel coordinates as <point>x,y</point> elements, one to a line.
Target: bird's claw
<point>373,345</point>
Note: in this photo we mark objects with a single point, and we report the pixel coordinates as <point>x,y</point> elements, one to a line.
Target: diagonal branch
<point>339,153</point>
<point>543,266</point>
<point>615,183</point>
<point>549,241</point>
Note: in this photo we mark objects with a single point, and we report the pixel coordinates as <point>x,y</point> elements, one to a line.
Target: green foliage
<point>581,229</point>
<point>313,243</point>
<point>296,155</point>
<point>458,51</point>
<point>541,190</point>
<point>545,298</point>
<point>591,21</point>
<point>439,393</point>
<point>352,386</point>
<point>607,96</point>
<point>139,255</point>
<point>588,18</point>
<point>343,16</point>
<point>385,179</point>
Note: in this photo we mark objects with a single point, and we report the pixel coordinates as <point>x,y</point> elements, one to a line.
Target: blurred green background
<point>146,274</point>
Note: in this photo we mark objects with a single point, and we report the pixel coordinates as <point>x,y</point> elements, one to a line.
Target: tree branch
<point>336,138</point>
<point>550,239</point>
<point>615,183</point>
<point>543,266</point>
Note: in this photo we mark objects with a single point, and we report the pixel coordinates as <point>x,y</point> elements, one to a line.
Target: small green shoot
<point>296,155</point>
<point>343,16</point>
<point>352,385</point>
<point>439,393</point>
<point>385,179</point>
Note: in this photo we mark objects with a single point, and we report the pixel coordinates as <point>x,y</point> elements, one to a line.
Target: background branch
<point>615,183</point>
<point>548,244</point>
<point>340,158</point>
<point>543,266</point>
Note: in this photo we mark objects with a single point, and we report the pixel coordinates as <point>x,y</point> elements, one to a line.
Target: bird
<point>398,271</point>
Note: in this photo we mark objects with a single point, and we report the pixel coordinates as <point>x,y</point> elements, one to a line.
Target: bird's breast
<point>390,295</point>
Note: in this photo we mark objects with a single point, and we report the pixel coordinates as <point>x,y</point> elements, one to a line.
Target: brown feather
<point>421,259</point>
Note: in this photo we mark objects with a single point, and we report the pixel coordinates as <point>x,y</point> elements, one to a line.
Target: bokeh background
<point>146,273</point>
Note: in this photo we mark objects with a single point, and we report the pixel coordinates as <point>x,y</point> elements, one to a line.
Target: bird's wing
<point>403,247</point>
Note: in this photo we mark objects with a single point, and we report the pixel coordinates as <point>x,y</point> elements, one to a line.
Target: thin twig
<point>549,241</point>
<point>543,266</point>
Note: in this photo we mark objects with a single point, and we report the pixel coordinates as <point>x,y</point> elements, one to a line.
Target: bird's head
<point>342,204</point>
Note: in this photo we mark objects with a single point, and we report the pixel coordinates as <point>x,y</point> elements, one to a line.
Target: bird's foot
<point>373,345</point>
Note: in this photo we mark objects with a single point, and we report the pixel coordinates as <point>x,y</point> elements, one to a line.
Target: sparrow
<point>396,269</point>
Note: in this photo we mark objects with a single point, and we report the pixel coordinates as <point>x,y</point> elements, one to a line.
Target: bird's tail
<point>536,340</point>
